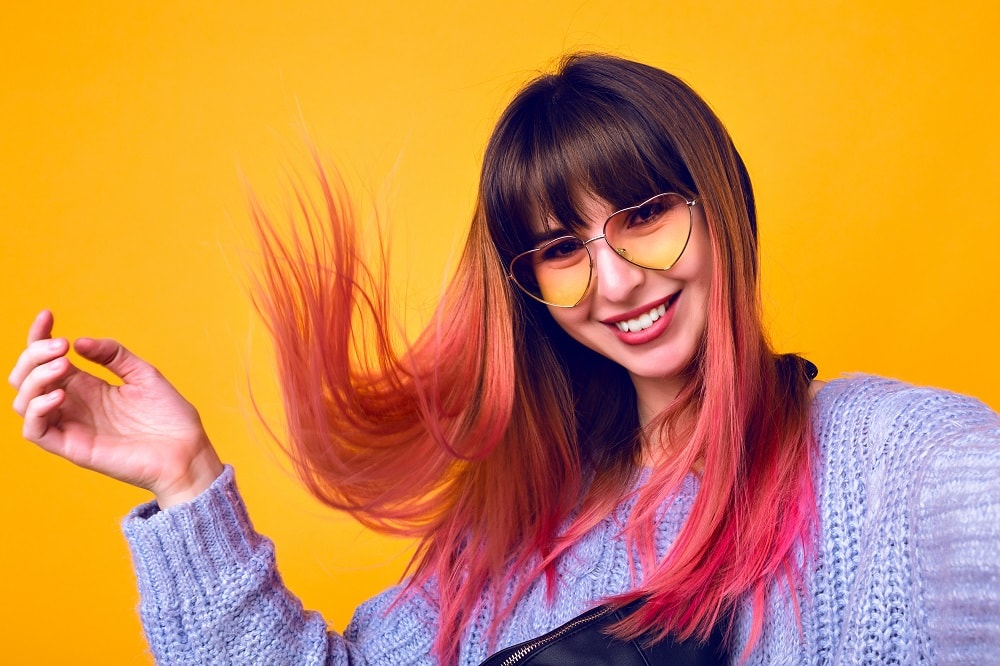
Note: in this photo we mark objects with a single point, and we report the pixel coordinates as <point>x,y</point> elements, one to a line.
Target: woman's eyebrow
<point>545,235</point>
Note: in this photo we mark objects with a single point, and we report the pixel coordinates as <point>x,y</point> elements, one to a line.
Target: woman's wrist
<point>199,473</point>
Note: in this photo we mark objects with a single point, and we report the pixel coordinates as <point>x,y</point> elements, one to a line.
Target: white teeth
<point>643,321</point>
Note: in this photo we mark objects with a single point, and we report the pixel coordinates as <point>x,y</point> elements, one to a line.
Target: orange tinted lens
<point>653,234</point>
<point>557,273</point>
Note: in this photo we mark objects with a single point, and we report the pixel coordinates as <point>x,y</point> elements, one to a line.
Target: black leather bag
<point>583,642</point>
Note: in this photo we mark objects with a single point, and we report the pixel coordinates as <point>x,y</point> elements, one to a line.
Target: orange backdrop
<point>870,133</point>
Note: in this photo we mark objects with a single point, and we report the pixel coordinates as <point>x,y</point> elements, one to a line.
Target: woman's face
<point>658,352</point>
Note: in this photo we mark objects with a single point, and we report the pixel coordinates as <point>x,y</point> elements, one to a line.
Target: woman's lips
<point>641,325</point>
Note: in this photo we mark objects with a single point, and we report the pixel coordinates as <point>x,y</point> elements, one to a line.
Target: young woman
<point>593,416</point>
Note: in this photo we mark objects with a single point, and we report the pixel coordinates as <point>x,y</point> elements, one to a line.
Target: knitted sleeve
<point>908,555</point>
<point>918,495</point>
<point>210,593</point>
<point>955,509</point>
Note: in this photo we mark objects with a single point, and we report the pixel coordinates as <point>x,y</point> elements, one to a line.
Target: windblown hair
<point>495,439</point>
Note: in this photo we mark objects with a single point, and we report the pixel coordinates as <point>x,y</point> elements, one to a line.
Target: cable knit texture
<point>906,567</point>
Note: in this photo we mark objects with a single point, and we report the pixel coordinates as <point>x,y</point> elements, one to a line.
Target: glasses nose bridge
<point>595,238</point>
<point>619,274</point>
<point>593,257</point>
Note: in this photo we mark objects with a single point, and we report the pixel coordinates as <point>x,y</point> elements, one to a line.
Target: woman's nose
<point>614,277</point>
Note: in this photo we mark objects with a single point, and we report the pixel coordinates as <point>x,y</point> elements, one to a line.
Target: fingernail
<point>55,343</point>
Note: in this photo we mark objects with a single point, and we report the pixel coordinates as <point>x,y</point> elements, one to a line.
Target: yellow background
<point>870,133</point>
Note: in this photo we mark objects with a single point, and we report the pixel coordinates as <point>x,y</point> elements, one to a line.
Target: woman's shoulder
<point>871,418</point>
<point>870,398</point>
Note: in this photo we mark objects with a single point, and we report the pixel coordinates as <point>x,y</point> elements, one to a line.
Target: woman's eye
<point>561,249</point>
<point>646,214</point>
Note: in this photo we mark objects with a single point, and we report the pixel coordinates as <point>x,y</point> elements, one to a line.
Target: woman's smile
<point>644,324</point>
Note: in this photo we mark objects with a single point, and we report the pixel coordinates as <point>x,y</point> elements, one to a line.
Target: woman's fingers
<point>38,413</point>
<point>41,327</point>
<point>37,352</point>
<point>116,358</point>
<point>40,380</point>
<point>39,349</point>
<point>43,349</point>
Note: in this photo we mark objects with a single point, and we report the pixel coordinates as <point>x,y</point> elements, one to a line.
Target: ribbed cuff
<point>194,551</point>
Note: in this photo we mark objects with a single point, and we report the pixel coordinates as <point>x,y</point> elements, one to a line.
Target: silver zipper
<point>530,647</point>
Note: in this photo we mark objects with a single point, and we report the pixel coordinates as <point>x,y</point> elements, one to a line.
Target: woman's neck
<point>654,395</point>
<point>661,444</point>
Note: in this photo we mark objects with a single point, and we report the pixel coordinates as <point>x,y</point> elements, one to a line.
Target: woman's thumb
<point>115,357</point>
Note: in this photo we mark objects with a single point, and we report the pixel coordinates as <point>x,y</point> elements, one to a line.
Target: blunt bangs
<point>578,133</point>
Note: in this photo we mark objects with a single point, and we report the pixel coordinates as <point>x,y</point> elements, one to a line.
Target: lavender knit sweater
<point>907,567</point>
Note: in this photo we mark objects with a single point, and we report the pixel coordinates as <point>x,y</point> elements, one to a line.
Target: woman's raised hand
<point>142,432</point>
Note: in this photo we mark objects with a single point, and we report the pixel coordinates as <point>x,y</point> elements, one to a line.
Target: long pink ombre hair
<point>495,439</point>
